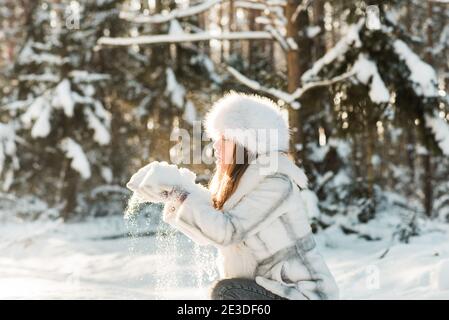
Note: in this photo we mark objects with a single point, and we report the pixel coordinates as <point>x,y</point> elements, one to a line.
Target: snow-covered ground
<point>93,260</point>
<point>364,270</point>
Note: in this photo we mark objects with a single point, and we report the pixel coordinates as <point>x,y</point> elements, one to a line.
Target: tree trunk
<point>252,48</point>
<point>298,62</point>
<point>231,25</point>
<point>318,20</point>
<point>70,191</point>
<point>159,52</point>
<point>370,136</point>
<point>428,185</point>
<point>220,25</point>
<point>293,77</point>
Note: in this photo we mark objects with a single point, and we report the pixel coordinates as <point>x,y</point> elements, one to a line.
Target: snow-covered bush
<point>9,161</point>
<point>25,208</point>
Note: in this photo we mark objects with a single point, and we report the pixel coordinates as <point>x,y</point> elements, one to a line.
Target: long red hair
<point>225,181</point>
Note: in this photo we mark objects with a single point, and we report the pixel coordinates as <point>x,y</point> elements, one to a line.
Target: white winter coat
<point>262,233</point>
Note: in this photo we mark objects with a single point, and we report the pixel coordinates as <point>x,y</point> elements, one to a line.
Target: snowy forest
<point>92,90</point>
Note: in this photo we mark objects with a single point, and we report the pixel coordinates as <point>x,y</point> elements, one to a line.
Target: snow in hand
<point>158,174</point>
<point>168,243</point>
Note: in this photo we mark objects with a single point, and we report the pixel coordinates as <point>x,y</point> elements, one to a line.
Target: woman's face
<point>224,151</point>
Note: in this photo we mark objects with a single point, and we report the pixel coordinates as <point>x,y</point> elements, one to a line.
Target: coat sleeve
<point>205,225</point>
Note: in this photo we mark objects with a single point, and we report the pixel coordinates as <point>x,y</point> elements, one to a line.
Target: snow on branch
<point>16,105</point>
<point>174,89</point>
<point>173,14</point>
<point>257,86</point>
<point>186,37</point>
<point>350,39</point>
<point>289,98</point>
<point>196,9</point>
<point>301,7</point>
<point>443,41</point>
<point>8,150</point>
<point>250,5</point>
<point>367,73</point>
<point>440,130</point>
<point>101,133</point>
<point>321,83</point>
<point>283,42</point>
<point>79,76</point>
<point>63,98</point>
<point>38,111</point>
<point>44,77</point>
<point>422,75</point>
<point>255,5</point>
<point>78,158</point>
<point>7,144</point>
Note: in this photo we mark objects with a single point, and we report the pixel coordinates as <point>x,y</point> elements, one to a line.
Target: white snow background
<point>94,259</point>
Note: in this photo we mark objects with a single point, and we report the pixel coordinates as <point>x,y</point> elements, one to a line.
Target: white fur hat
<point>251,121</point>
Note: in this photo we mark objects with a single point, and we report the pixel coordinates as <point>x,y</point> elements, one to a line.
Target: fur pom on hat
<point>251,121</point>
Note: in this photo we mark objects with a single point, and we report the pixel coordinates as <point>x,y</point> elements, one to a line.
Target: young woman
<point>252,211</point>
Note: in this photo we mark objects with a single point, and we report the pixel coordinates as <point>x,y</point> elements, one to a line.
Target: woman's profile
<point>252,210</point>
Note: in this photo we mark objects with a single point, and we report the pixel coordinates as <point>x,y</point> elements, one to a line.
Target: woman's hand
<point>156,181</point>
<point>137,178</point>
<point>140,183</point>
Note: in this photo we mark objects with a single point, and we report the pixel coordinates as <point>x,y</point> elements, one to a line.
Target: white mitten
<point>136,180</point>
<point>154,181</point>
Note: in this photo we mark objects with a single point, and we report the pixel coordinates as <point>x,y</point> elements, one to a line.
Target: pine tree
<point>393,90</point>
<point>61,99</point>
